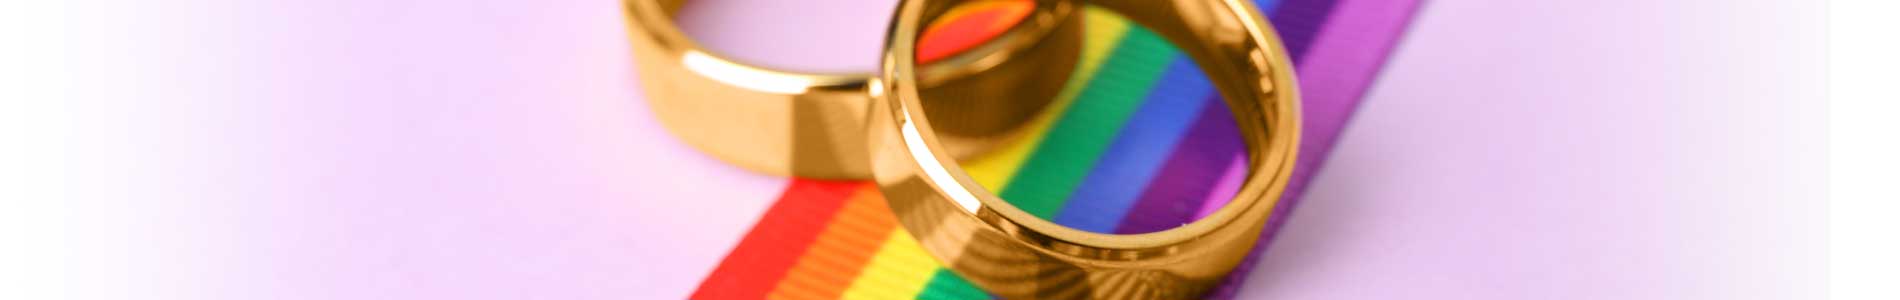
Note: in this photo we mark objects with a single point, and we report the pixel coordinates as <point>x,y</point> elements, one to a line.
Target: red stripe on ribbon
<point>776,242</point>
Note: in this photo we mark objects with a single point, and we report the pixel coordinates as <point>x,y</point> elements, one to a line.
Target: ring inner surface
<point>736,30</point>
<point>1251,73</point>
<point>1138,140</point>
<point>969,214</point>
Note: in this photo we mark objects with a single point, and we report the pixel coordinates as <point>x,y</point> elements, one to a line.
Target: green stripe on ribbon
<point>1077,140</point>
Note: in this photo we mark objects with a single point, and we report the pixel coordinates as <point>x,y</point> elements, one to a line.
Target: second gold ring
<point>811,125</point>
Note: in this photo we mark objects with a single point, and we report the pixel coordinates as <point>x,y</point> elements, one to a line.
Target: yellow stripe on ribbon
<point>899,270</point>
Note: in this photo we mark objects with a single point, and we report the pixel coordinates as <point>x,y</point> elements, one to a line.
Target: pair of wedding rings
<point>906,126</point>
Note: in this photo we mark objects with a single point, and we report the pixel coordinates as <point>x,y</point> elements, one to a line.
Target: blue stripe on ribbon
<point>1139,150</point>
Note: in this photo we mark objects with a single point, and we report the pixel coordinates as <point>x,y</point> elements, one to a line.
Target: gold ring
<point>811,125</point>
<point>1016,255</point>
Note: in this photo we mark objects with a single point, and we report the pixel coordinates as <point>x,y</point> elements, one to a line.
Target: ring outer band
<point>1016,255</point>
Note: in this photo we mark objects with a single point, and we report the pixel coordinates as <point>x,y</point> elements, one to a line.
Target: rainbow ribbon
<point>1136,103</point>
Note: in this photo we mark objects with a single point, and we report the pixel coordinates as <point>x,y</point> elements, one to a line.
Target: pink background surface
<point>499,150</point>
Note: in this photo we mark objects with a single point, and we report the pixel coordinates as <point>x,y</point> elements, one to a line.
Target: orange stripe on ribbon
<point>841,249</point>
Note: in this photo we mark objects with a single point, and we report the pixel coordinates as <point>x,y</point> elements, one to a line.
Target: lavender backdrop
<point>499,150</point>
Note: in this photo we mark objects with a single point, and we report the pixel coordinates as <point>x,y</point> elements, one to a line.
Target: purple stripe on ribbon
<point>1344,61</point>
<point>1178,190</point>
<point>1225,189</point>
<point>1299,22</point>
